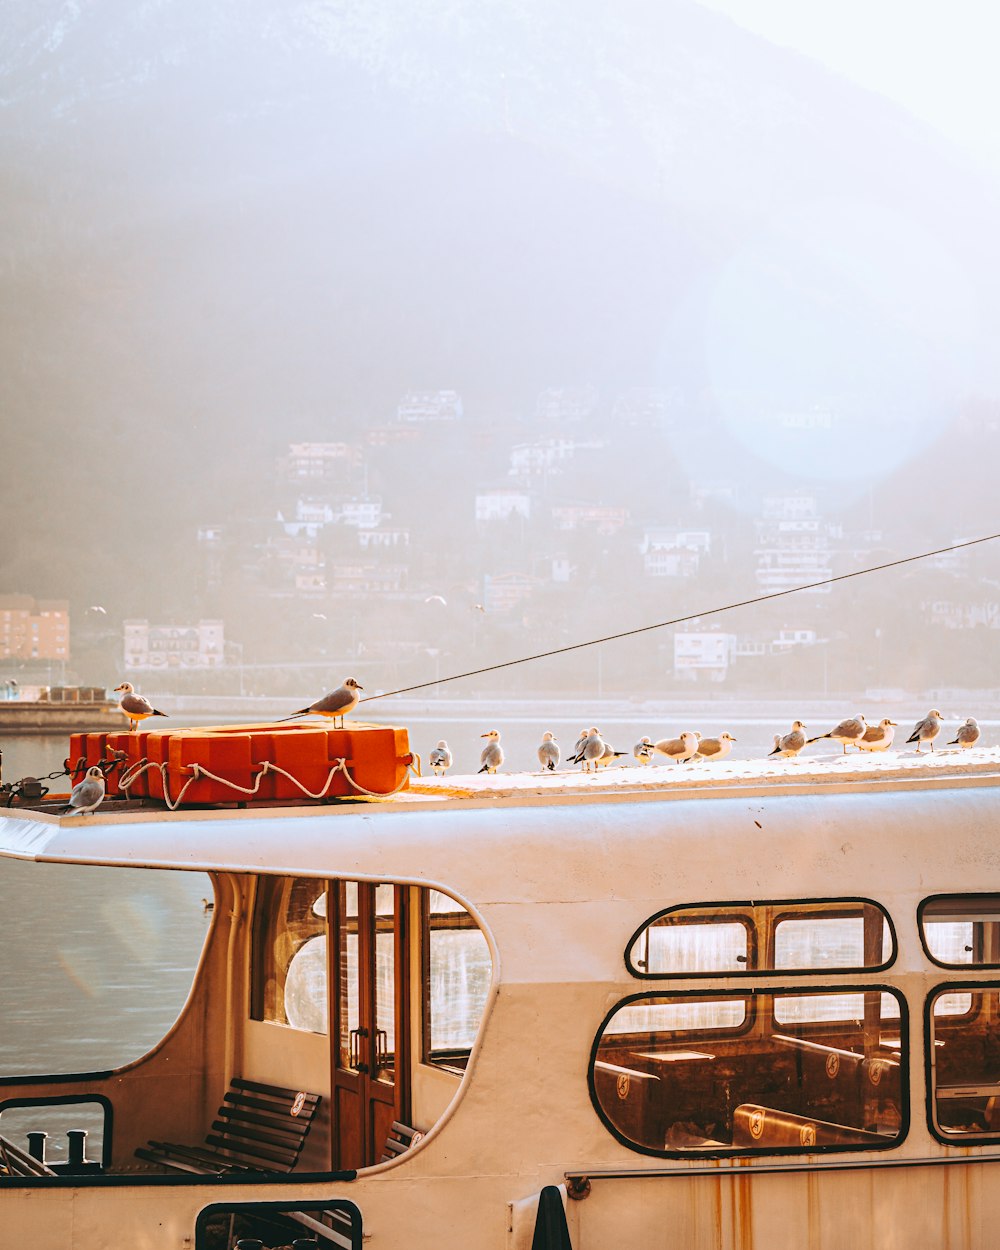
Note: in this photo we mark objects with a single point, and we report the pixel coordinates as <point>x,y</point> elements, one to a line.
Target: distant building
<point>672,552</point>
<point>505,590</point>
<point>33,629</point>
<point>425,407</point>
<point>604,519</point>
<point>547,455</point>
<point>383,538</point>
<point>793,544</point>
<point>707,653</point>
<point>502,504</point>
<point>312,462</point>
<point>708,492</point>
<point>644,408</point>
<point>160,647</point>
<point>958,614</point>
<point>562,404</point>
<point>789,638</point>
<point>367,579</point>
<point>815,418</point>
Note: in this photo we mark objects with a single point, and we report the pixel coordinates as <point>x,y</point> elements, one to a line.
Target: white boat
<point>713,1006</point>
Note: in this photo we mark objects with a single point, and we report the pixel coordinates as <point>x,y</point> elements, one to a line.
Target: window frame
<point>930,1077</point>
<point>751,994</point>
<point>456,1059</point>
<point>785,909</point>
<point>922,906</point>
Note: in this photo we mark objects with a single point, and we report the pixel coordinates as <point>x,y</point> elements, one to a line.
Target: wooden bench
<point>258,1128</point>
<point>17,1162</point>
<point>767,1127</point>
<point>401,1138</point>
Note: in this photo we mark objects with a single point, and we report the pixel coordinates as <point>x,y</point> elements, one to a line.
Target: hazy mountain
<point>233,223</point>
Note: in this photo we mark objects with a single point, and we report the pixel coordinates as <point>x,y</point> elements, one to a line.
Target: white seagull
<point>790,744</point>
<point>135,706</point>
<point>848,732</point>
<point>492,755</point>
<point>716,748</point>
<point>878,737</point>
<point>548,752</point>
<point>440,758</point>
<point>592,751</point>
<point>336,704</point>
<point>643,750</point>
<point>926,730</point>
<point>680,749</point>
<point>87,795</point>
<point>968,734</point>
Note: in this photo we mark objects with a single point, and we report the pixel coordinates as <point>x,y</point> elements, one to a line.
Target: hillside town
<point>429,543</point>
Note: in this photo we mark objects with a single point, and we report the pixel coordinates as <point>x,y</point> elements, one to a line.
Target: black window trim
<point>950,987</point>
<point>935,898</point>
<point>731,906</point>
<point>751,992</point>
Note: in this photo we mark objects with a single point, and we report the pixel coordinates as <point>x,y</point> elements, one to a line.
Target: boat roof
<point>397,835</point>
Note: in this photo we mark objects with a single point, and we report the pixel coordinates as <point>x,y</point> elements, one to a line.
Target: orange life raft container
<point>248,763</point>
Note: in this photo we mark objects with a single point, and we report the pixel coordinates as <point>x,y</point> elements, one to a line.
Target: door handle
<point>354,1051</point>
<point>381,1048</point>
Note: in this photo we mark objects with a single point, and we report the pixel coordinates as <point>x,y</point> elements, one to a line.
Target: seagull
<point>926,730</point>
<point>578,746</point>
<point>968,734</point>
<point>851,730</point>
<point>680,749</point>
<point>610,755</point>
<point>87,795</point>
<point>96,607</point>
<point>336,704</point>
<point>548,752</point>
<point>492,756</point>
<point>592,750</point>
<point>878,737</point>
<point>643,750</point>
<point>135,706</point>
<point>440,758</point>
<point>716,748</point>
<point>437,599</point>
<point>790,744</point>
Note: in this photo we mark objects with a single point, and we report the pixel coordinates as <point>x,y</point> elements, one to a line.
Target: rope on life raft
<point>198,772</point>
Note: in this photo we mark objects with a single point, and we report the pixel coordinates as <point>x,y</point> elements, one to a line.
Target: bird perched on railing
<point>848,733</point>
<point>135,706</point>
<point>716,748</point>
<point>336,704</point>
<point>548,752</point>
<point>591,752</point>
<point>878,737</point>
<point>968,734</point>
<point>926,730</point>
<point>643,750</point>
<point>87,795</point>
<point>790,744</point>
<point>680,749</point>
<point>492,754</point>
<point>440,758</point>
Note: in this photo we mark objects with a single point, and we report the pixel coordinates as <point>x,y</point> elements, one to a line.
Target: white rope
<point>132,775</point>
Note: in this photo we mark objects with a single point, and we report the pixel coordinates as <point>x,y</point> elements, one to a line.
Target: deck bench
<point>258,1128</point>
<point>17,1162</point>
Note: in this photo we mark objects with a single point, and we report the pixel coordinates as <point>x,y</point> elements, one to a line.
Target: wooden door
<point>370,1025</point>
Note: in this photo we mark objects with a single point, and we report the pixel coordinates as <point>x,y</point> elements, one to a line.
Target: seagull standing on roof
<point>440,758</point>
<point>878,737</point>
<point>609,756</point>
<point>680,749</point>
<point>643,750</point>
<point>548,752</point>
<point>716,748</point>
<point>790,744</point>
<point>848,732</point>
<point>336,704</point>
<point>135,706</point>
<point>592,750</point>
<point>968,734</point>
<point>87,795</point>
<point>926,730</point>
<point>492,755</point>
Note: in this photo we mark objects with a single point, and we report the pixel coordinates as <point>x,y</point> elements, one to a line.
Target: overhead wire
<point>691,616</point>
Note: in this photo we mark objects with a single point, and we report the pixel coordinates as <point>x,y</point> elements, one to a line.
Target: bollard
<point>249,1243</point>
<point>305,1243</point>
<point>36,1145</point>
<point>77,1146</point>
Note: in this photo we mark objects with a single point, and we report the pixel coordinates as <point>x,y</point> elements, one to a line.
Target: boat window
<point>734,939</point>
<point>964,1041</point>
<point>290,981</point>
<point>456,977</point>
<point>98,962</point>
<point>961,930</point>
<point>774,1071</point>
